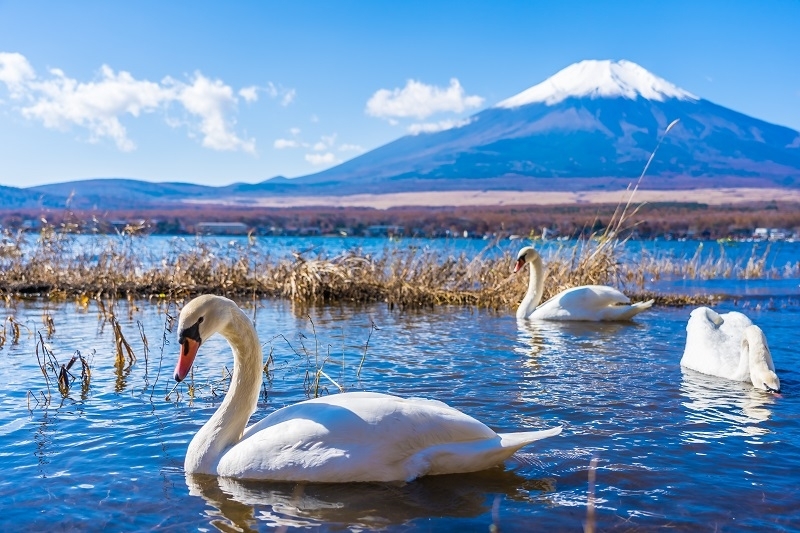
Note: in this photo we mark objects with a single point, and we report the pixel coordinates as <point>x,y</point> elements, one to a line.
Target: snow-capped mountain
<point>598,79</point>
<point>590,126</point>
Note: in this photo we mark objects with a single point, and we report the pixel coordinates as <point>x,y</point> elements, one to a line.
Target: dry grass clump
<point>60,265</point>
<point>715,267</point>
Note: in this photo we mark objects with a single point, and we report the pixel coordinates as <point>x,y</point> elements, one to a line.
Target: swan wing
<point>713,343</point>
<point>589,302</point>
<point>363,437</point>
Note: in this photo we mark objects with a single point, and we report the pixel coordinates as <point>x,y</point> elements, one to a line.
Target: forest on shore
<point>647,221</point>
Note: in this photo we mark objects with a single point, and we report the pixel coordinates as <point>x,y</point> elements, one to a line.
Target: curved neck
<point>535,289</point>
<point>226,426</point>
<point>758,359</point>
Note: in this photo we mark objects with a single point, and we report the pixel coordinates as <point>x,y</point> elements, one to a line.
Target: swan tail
<point>626,312</point>
<point>517,440</point>
<point>471,456</point>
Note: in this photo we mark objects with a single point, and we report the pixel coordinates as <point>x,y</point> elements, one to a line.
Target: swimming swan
<point>588,302</point>
<point>356,436</point>
<point>729,346</point>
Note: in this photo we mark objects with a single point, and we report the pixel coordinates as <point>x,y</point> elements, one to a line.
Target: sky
<point>221,92</point>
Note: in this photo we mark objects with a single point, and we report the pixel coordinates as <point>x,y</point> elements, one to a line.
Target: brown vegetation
<point>129,267</point>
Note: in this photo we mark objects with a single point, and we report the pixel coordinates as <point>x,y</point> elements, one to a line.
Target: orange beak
<point>188,352</point>
<point>519,265</point>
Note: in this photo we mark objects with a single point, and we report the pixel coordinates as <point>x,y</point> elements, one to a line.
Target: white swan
<point>588,302</point>
<point>357,436</point>
<point>729,346</point>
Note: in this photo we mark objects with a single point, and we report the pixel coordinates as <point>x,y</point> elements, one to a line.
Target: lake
<point>673,448</point>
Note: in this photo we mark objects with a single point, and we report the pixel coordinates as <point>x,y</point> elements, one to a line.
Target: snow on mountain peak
<point>599,79</point>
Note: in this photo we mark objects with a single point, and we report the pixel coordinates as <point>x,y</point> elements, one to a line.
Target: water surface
<point>674,448</point>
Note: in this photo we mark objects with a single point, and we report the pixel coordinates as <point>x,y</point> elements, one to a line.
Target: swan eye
<point>192,332</point>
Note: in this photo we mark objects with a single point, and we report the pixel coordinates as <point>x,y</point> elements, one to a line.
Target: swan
<point>587,302</point>
<point>729,346</point>
<point>355,436</point>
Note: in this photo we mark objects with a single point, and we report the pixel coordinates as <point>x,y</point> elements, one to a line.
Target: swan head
<point>762,369</point>
<point>525,255</point>
<point>199,319</point>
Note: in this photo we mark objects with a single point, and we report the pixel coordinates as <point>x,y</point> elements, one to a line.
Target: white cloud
<point>321,159</point>
<point>211,100</point>
<point>288,97</point>
<point>15,70</point>
<point>420,101</point>
<point>351,148</point>
<point>320,146</point>
<point>294,131</point>
<point>250,94</point>
<point>281,144</point>
<point>60,102</point>
<point>433,127</point>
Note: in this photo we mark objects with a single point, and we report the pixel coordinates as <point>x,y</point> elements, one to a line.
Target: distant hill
<point>591,126</point>
<point>15,198</point>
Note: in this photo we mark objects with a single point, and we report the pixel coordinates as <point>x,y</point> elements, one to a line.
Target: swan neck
<point>535,288</point>
<point>758,355</point>
<point>225,427</point>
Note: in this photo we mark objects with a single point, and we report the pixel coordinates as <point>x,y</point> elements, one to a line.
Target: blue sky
<point>216,93</point>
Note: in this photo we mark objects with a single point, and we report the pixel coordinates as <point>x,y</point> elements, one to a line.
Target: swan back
<point>729,346</point>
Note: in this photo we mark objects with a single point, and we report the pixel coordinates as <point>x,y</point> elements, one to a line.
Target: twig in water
<point>589,526</point>
<point>372,328</point>
<point>168,322</point>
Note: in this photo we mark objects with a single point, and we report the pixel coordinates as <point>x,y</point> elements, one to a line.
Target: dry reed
<point>406,278</point>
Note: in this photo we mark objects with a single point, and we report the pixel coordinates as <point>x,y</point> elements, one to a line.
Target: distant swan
<point>588,302</point>
<point>729,346</point>
<point>357,436</point>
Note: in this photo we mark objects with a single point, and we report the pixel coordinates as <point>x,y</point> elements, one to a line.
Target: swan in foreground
<point>588,302</point>
<point>356,436</point>
<point>729,346</point>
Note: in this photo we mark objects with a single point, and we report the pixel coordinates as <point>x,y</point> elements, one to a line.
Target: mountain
<point>593,125</point>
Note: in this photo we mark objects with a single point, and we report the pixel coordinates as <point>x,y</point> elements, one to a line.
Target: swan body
<point>729,346</point>
<point>357,436</point>
<point>587,302</point>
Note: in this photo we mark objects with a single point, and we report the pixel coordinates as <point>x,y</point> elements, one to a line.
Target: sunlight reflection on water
<point>673,447</point>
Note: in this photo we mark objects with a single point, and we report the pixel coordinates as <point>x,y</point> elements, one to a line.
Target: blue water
<point>674,449</point>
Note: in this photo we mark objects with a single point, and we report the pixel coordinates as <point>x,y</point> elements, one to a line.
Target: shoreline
<point>707,196</point>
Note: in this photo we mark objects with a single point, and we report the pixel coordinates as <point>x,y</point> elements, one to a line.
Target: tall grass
<point>130,267</point>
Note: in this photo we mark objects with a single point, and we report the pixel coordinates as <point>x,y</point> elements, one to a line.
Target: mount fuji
<point>591,126</point>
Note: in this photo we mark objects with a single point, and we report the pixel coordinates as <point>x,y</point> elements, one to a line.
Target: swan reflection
<point>567,336</point>
<point>241,505</point>
<point>723,408</point>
